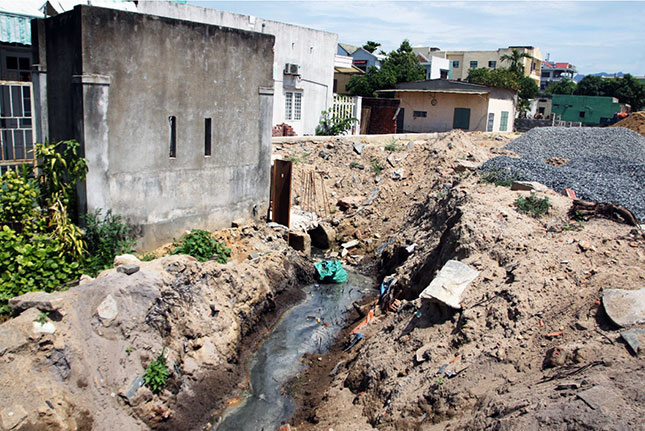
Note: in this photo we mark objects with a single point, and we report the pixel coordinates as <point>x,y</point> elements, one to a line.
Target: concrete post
<point>264,139</point>
<point>93,134</point>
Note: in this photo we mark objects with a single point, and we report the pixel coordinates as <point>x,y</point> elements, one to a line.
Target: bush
<point>156,373</point>
<point>106,237</point>
<point>331,125</point>
<point>533,205</point>
<point>393,146</point>
<point>201,245</point>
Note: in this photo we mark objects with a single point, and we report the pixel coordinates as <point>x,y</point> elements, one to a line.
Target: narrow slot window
<point>172,120</point>
<point>207,136</point>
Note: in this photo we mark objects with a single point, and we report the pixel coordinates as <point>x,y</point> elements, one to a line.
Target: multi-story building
<point>437,67</point>
<point>462,62</point>
<point>361,58</point>
<point>555,72</point>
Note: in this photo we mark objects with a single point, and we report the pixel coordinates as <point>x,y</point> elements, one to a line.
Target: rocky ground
<point>532,347</point>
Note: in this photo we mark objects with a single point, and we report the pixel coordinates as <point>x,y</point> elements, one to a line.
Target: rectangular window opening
<point>473,65</point>
<point>420,114</point>
<point>455,64</point>
<point>297,106</point>
<point>288,102</point>
<point>492,64</point>
<point>172,121</point>
<point>207,136</point>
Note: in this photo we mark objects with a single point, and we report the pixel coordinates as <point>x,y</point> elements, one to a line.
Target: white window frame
<point>293,105</point>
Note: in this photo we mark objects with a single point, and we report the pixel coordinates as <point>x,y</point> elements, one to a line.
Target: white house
<point>303,67</point>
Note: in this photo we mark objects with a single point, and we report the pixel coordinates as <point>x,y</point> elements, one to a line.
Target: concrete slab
<point>600,397</point>
<point>635,339</point>
<point>625,307</point>
<point>451,282</point>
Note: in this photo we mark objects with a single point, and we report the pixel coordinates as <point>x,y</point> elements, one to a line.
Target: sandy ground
<point>539,276</point>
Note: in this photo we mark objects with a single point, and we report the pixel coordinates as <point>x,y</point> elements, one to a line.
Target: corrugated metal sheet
<point>15,29</point>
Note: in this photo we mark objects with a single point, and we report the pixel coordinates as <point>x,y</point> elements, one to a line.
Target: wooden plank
<point>281,192</point>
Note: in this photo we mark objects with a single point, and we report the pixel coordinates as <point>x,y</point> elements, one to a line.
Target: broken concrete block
<point>358,147</point>
<point>128,269</point>
<point>322,236</point>
<point>12,417</point>
<point>635,339</point>
<point>625,307</point>
<point>528,185</point>
<point>398,174</point>
<point>300,241</point>
<point>126,259</point>
<point>392,160</point>
<point>465,165</point>
<point>44,328</point>
<point>350,244</point>
<point>107,310</point>
<point>451,282</point>
<point>600,397</point>
<point>134,387</point>
<point>43,301</point>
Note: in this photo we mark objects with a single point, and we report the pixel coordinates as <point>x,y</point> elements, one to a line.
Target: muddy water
<point>308,327</point>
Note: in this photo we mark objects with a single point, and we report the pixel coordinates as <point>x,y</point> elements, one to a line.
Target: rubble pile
<point>599,164</point>
<point>518,340</point>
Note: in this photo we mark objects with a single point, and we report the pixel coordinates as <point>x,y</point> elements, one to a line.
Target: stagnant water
<point>308,327</point>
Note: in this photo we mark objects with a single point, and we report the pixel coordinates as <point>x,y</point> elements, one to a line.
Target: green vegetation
<point>376,166</point>
<point>202,246</point>
<point>106,237</point>
<point>371,46</point>
<point>533,205</point>
<point>401,65</point>
<point>565,86</point>
<point>147,257</point>
<point>42,318</point>
<point>129,350</point>
<point>298,159</point>
<point>496,177</point>
<point>157,373</point>
<point>393,146</point>
<point>354,164</point>
<point>573,226</point>
<point>332,125</point>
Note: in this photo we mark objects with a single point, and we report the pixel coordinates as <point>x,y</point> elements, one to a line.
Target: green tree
<point>401,65</point>
<point>515,58</point>
<point>371,46</point>
<point>590,86</point>
<point>526,87</point>
<point>566,86</point>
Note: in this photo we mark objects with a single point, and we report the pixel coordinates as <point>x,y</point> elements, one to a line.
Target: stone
<point>238,222</point>
<point>465,165</point>
<point>190,366</point>
<point>44,328</point>
<point>398,174</point>
<point>586,245</point>
<point>84,279</point>
<point>449,285</point>
<point>350,244</point>
<point>358,147</point>
<point>349,202</point>
<point>322,236</point>
<point>410,145</point>
<point>126,259</point>
<point>128,269</point>
<point>300,241</point>
<point>635,339</point>
<point>625,307</point>
<point>137,382</point>
<point>12,417</point>
<point>528,185</point>
<point>107,310</point>
<point>600,397</point>
<point>392,160</point>
<point>47,302</point>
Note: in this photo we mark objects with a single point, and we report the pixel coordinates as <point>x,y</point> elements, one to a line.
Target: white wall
<point>438,63</point>
<point>313,50</point>
<point>502,100</point>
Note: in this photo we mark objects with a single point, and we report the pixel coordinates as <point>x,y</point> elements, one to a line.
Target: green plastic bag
<point>330,271</point>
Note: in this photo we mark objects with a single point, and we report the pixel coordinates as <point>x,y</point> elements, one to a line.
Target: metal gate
<point>16,125</point>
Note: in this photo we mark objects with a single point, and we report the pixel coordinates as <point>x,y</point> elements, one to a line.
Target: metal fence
<point>16,125</point>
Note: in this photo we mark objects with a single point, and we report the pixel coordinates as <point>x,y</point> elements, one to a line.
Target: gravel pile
<point>605,165</point>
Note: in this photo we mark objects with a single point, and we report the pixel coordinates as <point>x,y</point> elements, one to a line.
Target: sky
<point>595,36</point>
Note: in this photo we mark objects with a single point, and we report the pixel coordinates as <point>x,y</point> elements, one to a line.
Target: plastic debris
<point>357,337</point>
<point>330,271</point>
<point>451,282</point>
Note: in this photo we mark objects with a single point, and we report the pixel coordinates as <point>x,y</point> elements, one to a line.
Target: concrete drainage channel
<point>308,327</point>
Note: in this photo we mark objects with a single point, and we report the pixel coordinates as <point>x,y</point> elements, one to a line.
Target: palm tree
<point>516,60</point>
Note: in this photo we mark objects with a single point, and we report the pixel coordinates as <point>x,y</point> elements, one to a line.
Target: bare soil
<point>531,345</point>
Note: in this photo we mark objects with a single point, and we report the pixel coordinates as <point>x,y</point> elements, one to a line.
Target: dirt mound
<point>84,366</point>
<point>635,122</point>
<point>530,349</point>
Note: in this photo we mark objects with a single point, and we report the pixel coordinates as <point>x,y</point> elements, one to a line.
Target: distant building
<point>440,105</point>
<point>590,110</point>
<point>555,72</point>
<point>343,72</point>
<point>361,58</point>
<point>464,61</point>
<point>436,67</point>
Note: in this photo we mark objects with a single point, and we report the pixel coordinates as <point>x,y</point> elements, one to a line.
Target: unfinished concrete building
<point>173,116</point>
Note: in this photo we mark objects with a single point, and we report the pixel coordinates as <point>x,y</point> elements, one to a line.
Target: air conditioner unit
<point>291,69</point>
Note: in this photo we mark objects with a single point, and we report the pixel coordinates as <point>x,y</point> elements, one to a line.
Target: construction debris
<point>625,307</point>
<point>449,285</point>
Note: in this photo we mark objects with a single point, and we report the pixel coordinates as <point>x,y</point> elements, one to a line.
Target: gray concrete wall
<point>123,75</point>
<point>313,50</point>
